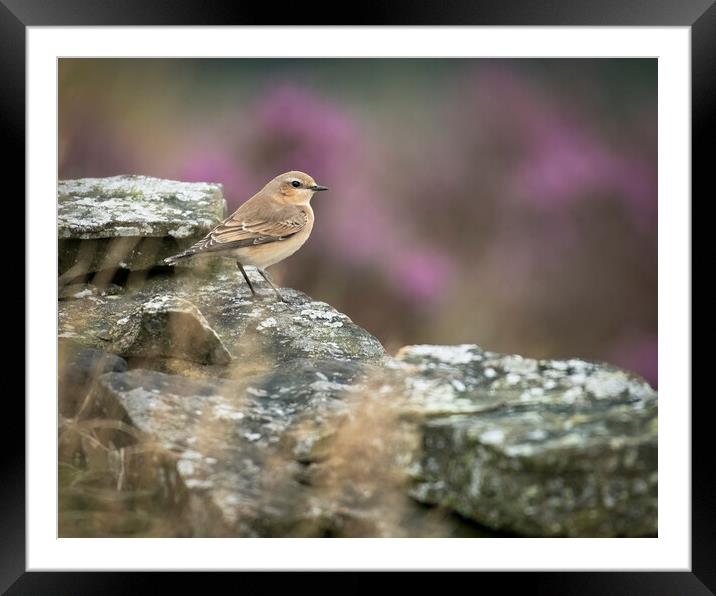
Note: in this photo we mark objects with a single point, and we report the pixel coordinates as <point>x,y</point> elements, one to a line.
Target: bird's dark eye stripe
<point>295,184</point>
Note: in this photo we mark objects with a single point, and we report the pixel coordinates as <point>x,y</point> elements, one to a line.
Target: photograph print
<point>357,297</point>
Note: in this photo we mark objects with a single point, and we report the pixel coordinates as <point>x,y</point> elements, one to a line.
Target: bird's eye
<point>295,184</point>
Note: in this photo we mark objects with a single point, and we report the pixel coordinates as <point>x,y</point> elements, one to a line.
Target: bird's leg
<point>246,277</point>
<point>265,275</point>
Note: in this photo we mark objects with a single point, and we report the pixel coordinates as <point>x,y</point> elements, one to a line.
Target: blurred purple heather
<point>292,128</point>
<point>422,276</point>
<point>217,166</point>
<point>503,202</point>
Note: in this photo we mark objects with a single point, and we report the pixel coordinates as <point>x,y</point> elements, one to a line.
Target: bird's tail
<point>174,259</point>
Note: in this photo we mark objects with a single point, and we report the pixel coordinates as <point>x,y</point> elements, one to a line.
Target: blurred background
<point>509,203</point>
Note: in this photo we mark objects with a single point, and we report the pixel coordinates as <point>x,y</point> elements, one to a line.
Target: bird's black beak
<point>318,187</point>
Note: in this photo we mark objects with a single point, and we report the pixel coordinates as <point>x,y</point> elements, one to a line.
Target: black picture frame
<point>17,15</point>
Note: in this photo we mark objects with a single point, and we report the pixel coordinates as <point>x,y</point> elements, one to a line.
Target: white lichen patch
<point>452,355</point>
<point>494,436</point>
<point>537,435</point>
<point>578,378</point>
<point>333,387</point>
<point>603,384</point>
<point>186,467</point>
<point>572,394</point>
<point>519,365</point>
<point>577,365</point>
<point>519,450</point>
<point>169,302</point>
<point>435,395</point>
<point>327,315</point>
<point>183,231</point>
<point>198,483</point>
<point>142,395</point>
<point>83,293</point>
<point>269,323</point>
<point>192,455</point>
<point>534,393</point>
<point>513,379</point>
<point>255,391</point>
<point>458,385</point>
<point>225,412</point>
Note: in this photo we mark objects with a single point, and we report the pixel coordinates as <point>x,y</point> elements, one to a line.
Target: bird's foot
<point>276,297</point>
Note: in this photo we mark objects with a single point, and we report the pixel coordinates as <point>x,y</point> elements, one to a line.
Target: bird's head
<point>295,187</point>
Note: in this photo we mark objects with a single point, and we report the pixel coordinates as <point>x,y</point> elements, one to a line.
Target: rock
<point>169,327</point>
<point>535,447</point>
<point>318,431</point>
<point>260,334</point>
<point>79,367</point>
<point>232,442</point>
<point>310,449</point>
<point>131,222</point>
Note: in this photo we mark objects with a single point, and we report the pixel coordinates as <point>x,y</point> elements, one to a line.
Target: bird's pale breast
<point>265,255</point>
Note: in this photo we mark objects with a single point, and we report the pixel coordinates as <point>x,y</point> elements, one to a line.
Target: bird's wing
<point>249,227</point>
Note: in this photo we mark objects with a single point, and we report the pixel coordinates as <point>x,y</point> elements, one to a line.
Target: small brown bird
<point>270,226</point>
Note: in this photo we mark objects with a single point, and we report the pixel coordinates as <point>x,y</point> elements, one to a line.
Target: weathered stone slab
<point>313,446</point>
<point>312,449</point>
<point>536,447</point>
<point>169,327</point>
<point>234,444</point>
<point>131,222</point>
<point>79,367</point>
<point>259,333</point>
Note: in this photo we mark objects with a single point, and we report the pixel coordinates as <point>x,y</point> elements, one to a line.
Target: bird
<point>269,227</point>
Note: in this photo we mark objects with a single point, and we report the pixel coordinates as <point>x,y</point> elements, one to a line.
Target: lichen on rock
<point>168,327</point>
<point>260,333</point>
<point>131,222</point>
<point>135,206</point>
<point>234,443</point>
<point>536,447</point>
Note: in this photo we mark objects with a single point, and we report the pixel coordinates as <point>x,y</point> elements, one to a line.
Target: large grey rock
<point>79,367</point>
<point>131,222</point>
<point>260,334</point>
<point>547,448</point>
<point>535,447</point>
<point>236,446</point>
<point>169,327</point>
<point>314,448</point>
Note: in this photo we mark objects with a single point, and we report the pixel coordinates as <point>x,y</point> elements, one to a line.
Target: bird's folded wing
<point>238,232</point>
